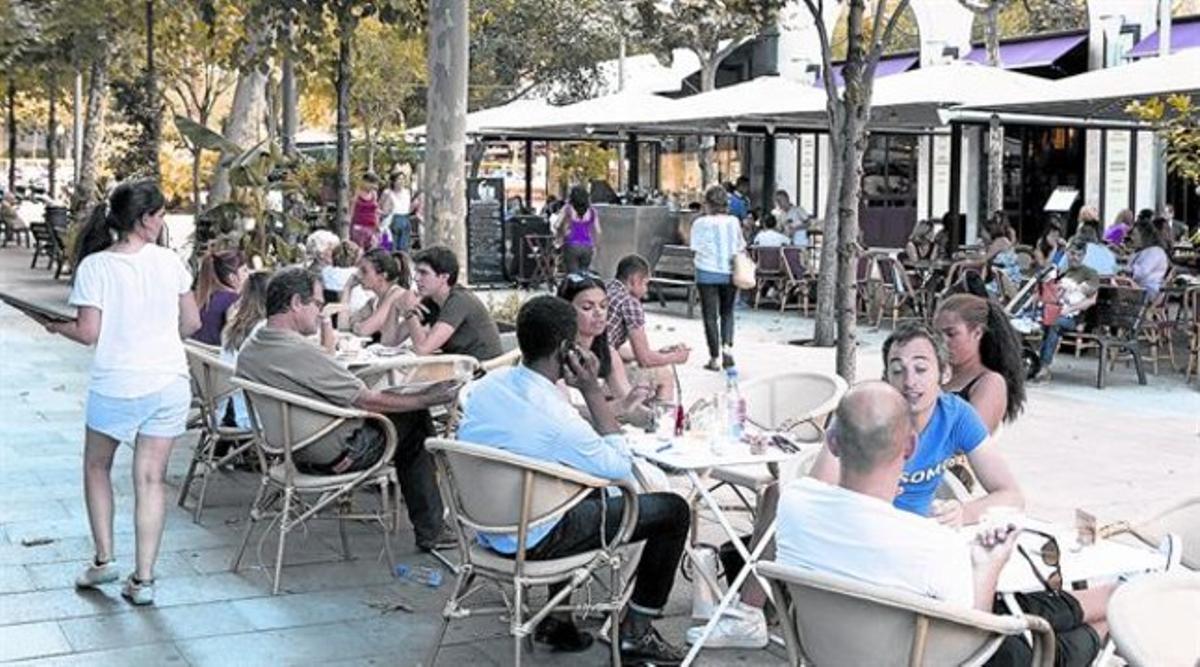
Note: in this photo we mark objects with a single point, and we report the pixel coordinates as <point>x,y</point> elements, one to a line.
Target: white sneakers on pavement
<point>741,626</point>
<point>97,574</point>
<point>138,592</point>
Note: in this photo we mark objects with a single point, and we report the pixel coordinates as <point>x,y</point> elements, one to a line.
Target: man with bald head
<point>855,531</point>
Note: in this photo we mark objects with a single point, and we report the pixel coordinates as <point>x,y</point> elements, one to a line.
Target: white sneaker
<point>95,575</point>
<point>741,626</point>
<point>138,593</point>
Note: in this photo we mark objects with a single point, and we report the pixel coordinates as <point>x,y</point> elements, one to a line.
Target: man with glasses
<point>853,530</point>
<point>280,354</point>
<point>445,316</point>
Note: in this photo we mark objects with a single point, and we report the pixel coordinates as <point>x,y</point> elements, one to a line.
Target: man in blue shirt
<point>522,410</point>
<point>739,199</point>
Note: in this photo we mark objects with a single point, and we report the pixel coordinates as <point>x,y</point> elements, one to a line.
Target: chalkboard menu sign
<point>485,231</point>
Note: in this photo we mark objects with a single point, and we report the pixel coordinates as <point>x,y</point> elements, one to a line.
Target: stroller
<point>1027,312</point>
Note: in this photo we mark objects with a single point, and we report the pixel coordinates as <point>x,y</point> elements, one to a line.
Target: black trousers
<point>1076,643</point>
<point>716,303</point>
<point>417,475</point>
<point>662,522</point>
<point>577,258</point>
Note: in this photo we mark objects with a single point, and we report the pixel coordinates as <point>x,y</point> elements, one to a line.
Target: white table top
<point>693,452</point>
<point>1105,560</point>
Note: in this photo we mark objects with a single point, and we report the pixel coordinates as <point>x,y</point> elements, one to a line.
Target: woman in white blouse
<point>716,238</point>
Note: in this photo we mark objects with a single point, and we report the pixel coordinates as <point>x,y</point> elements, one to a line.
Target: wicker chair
<point>833,620</point>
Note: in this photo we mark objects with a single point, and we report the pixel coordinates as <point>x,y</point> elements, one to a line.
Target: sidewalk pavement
<point>1119,452</point>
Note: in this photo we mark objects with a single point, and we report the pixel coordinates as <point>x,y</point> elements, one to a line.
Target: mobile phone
<point>564,352</point>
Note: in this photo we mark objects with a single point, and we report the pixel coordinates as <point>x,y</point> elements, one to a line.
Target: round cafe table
<point>1155,619</point>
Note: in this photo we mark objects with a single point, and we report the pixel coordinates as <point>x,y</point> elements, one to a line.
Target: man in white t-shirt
<point>770,237</point>
<point>792,218</point>
<point>853,530</point>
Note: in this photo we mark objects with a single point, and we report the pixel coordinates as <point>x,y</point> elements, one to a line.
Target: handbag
<point>743,271</point>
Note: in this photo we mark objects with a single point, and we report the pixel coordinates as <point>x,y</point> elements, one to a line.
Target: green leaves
<point>204,138</point>
<point>1178,123</point>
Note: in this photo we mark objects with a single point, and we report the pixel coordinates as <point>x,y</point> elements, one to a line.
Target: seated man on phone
<point>853,530</point>
<point>521,410</point>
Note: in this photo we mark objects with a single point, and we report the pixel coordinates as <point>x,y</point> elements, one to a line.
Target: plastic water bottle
<point>421,574</point>
<point>735,405</point>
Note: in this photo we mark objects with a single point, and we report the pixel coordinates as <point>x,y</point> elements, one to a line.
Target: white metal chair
<point>211,383</point>
<point>833,620</point>
<point>798,403</point>
<point>1148,620</point>
<point>285,423</point>
<point>490,490</point>
<point>1181,519</point>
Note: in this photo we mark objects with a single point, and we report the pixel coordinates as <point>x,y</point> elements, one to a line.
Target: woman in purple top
<point>217,287</point>
<point>578,231</point>
<point>1116,234</point>
<point>1149,264</point>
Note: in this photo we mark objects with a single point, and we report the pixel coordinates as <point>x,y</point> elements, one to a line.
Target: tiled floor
<point>1120,451</point>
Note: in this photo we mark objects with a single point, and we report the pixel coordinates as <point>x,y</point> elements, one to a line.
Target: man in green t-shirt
<point>462,325</point>
<point>1077,288</point>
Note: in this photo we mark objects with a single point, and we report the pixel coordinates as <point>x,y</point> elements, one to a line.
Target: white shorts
<point>162,414</point>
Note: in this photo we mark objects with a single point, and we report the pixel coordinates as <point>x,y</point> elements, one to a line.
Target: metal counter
<point>632,229</point>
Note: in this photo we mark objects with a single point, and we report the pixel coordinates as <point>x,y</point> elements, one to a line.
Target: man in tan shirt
<point>280,355</point>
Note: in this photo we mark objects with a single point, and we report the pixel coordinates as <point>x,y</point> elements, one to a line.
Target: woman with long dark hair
<point>578,230</point>
<point>1149,265</point>
<point>589,295</point>
<point>217,287</point>
<point>985,357</point>
<point>135,305</point>
<point>386,279</point>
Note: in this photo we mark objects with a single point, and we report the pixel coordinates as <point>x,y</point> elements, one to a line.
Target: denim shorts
<point>162,414</point>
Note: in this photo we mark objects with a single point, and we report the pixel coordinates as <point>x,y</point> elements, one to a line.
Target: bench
<point>43,244</point>
<point>59,230</point>
<point>675,268</point>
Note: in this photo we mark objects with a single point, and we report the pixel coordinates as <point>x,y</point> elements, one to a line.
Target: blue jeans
<point>1053,335</point>
<point>401,232</point>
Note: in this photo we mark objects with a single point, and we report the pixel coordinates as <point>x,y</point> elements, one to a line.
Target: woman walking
<point>715,238</point>
<point>579,231</point>
<point>395,205</point>
<point>135,305</point>
<point>364,220</point>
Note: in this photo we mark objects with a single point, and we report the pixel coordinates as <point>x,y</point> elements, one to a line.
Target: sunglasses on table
<point>1051,556</point>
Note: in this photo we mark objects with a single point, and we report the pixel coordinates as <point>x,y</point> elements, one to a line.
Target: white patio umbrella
<point>609,113</point>
<point>913,99</point>
<point>1103,94</point>
<point>484,120</point>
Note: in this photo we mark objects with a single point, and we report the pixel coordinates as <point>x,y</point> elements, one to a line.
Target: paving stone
<point>15,579</point>
<point>149,655</point>
<point>152,625</point>
<point>31,640</point>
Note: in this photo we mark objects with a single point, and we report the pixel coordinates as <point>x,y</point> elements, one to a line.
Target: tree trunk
<point>446,111</point>
<point>12,133</point>
<point>242,127</point>
<point>708,143</point>
<point>995,176</point>
<point>153,128</point>
<point>370,137</point>
<point>825,327</point>
<point>196,182</point>
<point>93,135</point>
<point>344,62</point>
<point>290,97</point>
<point>52,135</point>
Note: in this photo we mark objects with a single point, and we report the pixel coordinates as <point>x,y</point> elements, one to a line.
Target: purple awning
<point>1183,36</point>
<point>886,67</point>
<point>1029,53</point>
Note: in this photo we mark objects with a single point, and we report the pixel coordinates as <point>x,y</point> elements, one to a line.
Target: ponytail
<point>95,235</point>
<point>1000,351</point>
<point>216,270</point>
